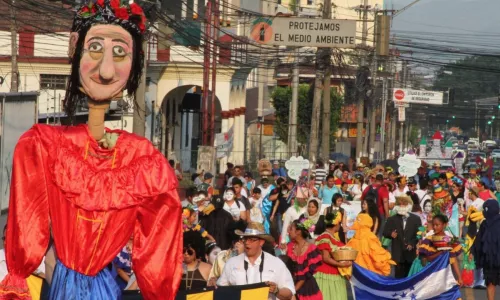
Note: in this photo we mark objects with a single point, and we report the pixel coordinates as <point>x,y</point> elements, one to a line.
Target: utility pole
<point>292,118</point>
<point>322,57</point>
<point>373,121</point>
<point>14,73</point>
<point>401,137</point>
<point>382,119</point>
<point>361,98</point>
<point>325,133</point>
<point>206,72</point>
<point>214,72</point>
<point>394,130</point>
<point>139,118</point>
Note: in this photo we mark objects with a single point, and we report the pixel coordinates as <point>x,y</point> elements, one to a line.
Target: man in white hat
<point>256,266</point>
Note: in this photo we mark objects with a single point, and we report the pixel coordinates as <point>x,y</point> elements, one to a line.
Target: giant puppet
<point>89,189</point>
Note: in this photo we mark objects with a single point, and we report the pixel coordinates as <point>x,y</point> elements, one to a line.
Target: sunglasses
<point>250,239</point>
<point>189,251</point>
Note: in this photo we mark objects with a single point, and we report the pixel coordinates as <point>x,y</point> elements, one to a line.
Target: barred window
<point>52,81</point>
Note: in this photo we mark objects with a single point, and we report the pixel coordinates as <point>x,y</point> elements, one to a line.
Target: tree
<point>281,99</point>
<point>473,77</point>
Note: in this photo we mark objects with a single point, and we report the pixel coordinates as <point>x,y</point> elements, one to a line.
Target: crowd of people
<point>285,232</point>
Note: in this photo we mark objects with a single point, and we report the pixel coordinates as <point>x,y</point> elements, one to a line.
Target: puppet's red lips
<point>98,81</point>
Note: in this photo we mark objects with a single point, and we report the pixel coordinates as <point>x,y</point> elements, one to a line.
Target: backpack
<point>373,193</point>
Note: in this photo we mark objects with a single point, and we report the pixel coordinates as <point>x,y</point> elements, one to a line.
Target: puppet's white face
<point>228,196</point>
<point>106,61</point>
<point>428,207</point>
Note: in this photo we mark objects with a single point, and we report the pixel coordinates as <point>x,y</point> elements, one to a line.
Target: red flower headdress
<point>111,12</point>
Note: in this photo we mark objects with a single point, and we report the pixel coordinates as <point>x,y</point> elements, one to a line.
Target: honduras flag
<point>435,282</point>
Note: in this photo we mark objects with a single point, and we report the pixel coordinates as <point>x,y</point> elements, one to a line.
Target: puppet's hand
<point>477,216</point>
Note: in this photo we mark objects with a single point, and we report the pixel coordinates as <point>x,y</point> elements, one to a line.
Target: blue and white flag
<point>435,282</point>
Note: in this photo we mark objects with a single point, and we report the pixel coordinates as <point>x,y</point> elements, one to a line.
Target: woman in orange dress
<point>371,254</point>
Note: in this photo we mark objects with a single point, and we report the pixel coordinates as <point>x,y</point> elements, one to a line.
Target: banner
<point>435,281</point>
<point>240,292</point>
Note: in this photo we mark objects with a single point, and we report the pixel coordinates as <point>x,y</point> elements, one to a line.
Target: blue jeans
<point>277,226</point>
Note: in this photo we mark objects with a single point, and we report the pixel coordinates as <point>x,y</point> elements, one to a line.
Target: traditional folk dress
<point>306,266</point>
<point>91,200</point>
<point>328,277</point>
<point>426,249</point>
<point>371,254</point>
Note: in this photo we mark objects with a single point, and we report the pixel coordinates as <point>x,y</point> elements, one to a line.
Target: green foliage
<point>292,5</point>
<point>470,83</point>
<point>413,138</point>
<point>281,99</point>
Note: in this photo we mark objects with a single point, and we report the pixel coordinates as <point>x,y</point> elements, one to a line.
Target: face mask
<point>213,255</point>
<point>403,210</point>
<point>428,208</point>
<point>198,198</point>
<point>228,196</point>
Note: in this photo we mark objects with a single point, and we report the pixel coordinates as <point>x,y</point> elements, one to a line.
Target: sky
<point>455,16</point>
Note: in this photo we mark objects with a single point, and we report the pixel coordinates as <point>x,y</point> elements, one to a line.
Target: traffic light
<point>447,121</point>
<point>489,122</point>
<point>493,117</point>
<point>453,117</point>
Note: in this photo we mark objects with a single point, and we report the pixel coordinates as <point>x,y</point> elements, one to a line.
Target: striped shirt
<point>320,176</point>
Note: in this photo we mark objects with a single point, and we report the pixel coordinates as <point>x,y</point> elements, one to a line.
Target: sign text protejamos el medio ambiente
<point>304,32</point>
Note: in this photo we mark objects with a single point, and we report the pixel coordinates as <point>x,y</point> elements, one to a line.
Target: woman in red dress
<point>307,259</point>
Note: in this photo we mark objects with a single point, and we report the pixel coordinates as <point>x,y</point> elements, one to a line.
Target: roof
<point>448,144</point>
<point>39,16</point>
<point>437,136</point>
<point>423,141</point>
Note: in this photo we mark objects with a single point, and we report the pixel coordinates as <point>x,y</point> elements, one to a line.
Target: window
<point>309,2</point>
<point>51,81</point>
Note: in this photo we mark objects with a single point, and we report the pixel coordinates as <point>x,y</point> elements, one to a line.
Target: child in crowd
<point>440,242</point>
<point>190,217</point>
<point>256,210</point>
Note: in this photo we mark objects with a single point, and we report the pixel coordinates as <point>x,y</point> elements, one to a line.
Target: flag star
<point>412,288</point>
<point>395,295</point>
<point>403,294</point>
<point>413,297</point>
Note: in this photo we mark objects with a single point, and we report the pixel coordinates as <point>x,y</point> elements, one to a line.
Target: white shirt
<point>398,193</point>
<point>3,265</point>
<point>264,191</point>
<point>357,191</point>
<point>290,215</point>
<point>256,211</point>
<point>274,271</point>
<point>422,197</point>
<point>392,198</point>
<point>230,181</point>
<point>234,210</point>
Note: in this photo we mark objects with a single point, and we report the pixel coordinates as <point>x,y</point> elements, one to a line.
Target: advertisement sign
<point>300,32</point>
<point>409,164</point>
<point>401,114</point>
<point>295,165</point>
<point>224,143</point>
<point>416,96</point>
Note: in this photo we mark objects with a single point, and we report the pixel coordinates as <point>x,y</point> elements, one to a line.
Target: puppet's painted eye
<point>95,47</point>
